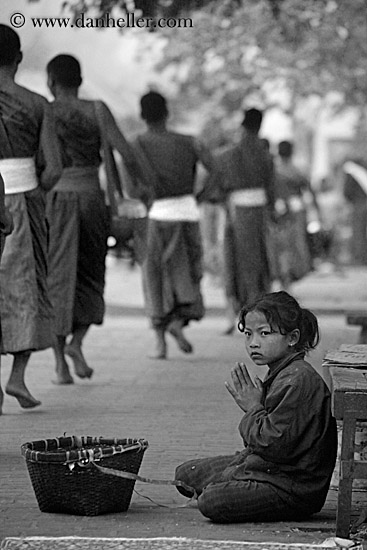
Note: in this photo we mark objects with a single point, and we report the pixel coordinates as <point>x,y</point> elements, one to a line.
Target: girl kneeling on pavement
<point>289,434</point>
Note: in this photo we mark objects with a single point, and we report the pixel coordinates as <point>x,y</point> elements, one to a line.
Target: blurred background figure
<point>173,264</point>
<point>335,224</point>
<point>212,222</point>
<point>6,227</point>
<point>30,164</point>
<point>247,181</point>
<point>355,191</point>
<point>294,197</point>
<point>77,213</point>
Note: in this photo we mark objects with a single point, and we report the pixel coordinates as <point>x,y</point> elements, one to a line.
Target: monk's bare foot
<point>175,329</point>
<point>63,376</point>
<point>80,365</point>
<point>62,379</point>
<point>160,353</point>
<point>24,397</point>
<point>160,350</point>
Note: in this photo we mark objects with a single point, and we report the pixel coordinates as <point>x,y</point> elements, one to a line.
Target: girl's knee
<point>210,505</point>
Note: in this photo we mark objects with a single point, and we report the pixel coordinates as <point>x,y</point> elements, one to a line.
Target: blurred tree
<point>147,8</point>
<point>317,45</point>
<point>312,45</point>
<point>264,50</point>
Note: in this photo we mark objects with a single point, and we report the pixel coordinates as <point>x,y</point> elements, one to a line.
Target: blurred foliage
<point>250,52</point>
<point>147,8</point>
<point>152,8</point>
<point>314,46</point>
<point>242,52</point>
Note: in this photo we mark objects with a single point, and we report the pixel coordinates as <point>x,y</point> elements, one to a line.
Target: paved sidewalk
<point>180,406</point>
<point>332,292</point>
<point>324,290</point>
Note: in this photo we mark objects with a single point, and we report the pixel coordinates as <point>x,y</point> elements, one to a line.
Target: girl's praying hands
<point>245,392</point>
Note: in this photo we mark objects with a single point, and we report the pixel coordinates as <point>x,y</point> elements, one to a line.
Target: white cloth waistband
<point>295,203</point>
<point>357,172</point>
<point>134,209</point>
<point>248,197</point>
<point>19,175</point>
<point>175,209</point>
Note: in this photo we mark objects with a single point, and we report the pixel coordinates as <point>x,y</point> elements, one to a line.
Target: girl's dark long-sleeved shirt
<point>291,438</point>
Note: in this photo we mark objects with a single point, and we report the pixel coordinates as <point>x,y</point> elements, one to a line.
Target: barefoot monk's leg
<point>16,385</point>
<point>74,350</point>
<point>160,351</point>
<point>63,375</point>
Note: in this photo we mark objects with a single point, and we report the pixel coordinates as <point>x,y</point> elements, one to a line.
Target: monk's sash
<point>183,208</point>
<point>19,175</point>
<point>248,197</point>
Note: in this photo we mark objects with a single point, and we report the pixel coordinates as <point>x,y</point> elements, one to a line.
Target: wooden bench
<point>358,318</point>
<point>349,404</point>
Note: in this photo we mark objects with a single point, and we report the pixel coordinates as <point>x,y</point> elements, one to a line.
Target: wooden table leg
<point>346,477</point>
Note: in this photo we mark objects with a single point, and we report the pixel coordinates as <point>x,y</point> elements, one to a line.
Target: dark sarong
<point>288,249</point>
<point>26,314</point>
<point>226,498</point>
<point>245,255</point>
<point>172,272</point>
<point>78,221</point>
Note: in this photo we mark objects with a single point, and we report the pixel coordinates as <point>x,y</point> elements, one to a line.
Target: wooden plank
<point>352,403</point>
<point>346,469</point>
<point>357,348</point>
<point>348,355</point>
<point>349,403</point>
<point>347,379</point>
<point>360,469</point>
<point>345,359</point>
<point>344,509</point>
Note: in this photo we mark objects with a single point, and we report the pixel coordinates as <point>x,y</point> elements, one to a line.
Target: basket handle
<point>88,456</point>
<point>135,477</point>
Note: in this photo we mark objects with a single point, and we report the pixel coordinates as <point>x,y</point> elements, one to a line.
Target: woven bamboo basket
<point>65,479</point>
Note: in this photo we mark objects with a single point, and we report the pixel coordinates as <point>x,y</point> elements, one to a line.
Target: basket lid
<point>77,448</point>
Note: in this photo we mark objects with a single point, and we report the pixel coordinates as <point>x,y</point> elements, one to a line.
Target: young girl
<point>290,439</point>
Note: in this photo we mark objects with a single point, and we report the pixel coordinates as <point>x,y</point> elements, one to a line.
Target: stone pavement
<point>324,290</point>
<point>180,406</point>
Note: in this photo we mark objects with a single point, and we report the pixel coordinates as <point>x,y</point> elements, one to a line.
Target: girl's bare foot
<point>80,365</point>
<point>24,397</point>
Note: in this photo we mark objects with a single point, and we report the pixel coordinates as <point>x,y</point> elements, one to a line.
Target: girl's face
<point>264,344</point>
